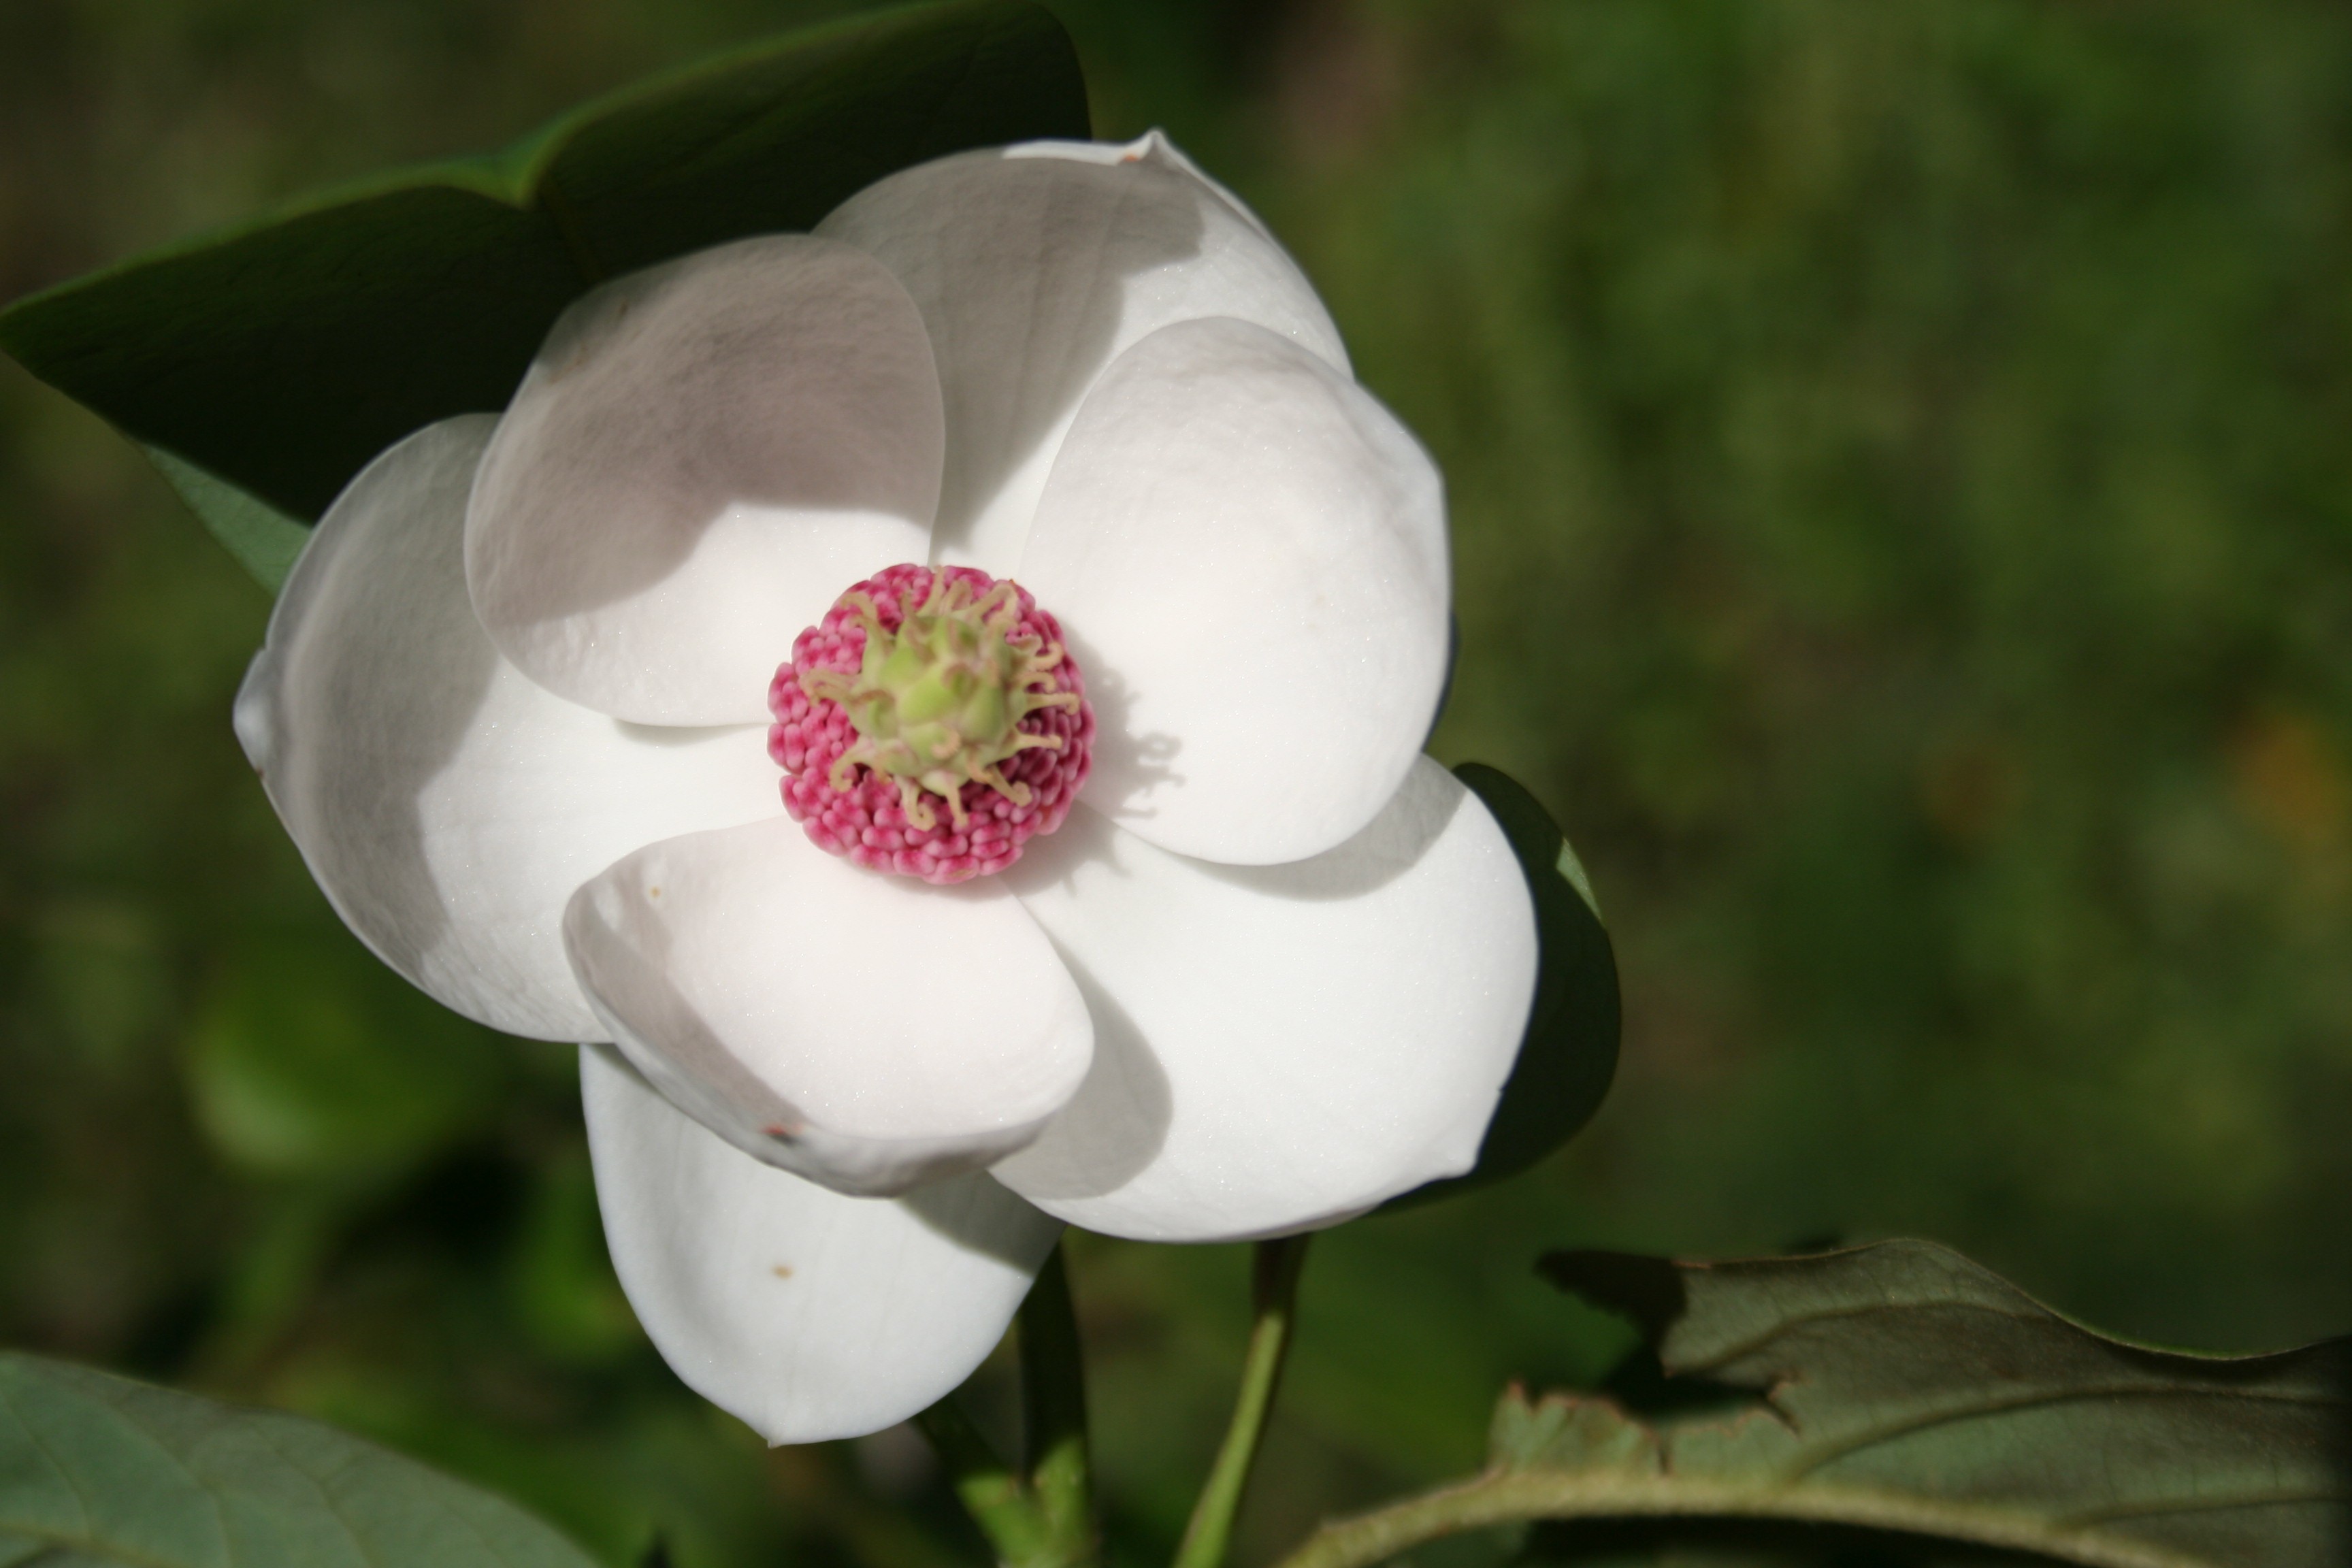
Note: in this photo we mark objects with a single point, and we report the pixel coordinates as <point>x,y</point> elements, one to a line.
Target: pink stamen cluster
<point>867,821</point>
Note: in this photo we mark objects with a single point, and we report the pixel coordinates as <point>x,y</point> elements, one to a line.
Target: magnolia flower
<point>515,708</point>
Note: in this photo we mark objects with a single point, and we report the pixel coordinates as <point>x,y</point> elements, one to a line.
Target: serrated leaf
<point>1905,1370</point>
<point>1569,1053</point>
<point>277,358</point>
<point>99,1469</point>
<point>1560,1433</point>
<point>1905,1389</point>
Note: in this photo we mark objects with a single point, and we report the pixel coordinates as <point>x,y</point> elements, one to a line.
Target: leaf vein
<point>2039,1399</point>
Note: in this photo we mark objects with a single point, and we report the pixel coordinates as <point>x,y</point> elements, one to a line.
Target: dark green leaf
<point>1904,1389</point>
<point>265,540</point>
<point>1906,1376</point>
<point>1569,1053</point>
<point>277,358</point>
<point>99,1469</point>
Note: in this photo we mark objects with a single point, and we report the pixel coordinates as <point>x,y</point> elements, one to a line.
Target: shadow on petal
<point>1326,1033</point>
<point>375,622</point>
<point>1392,844</point>
<point>1117,1124</point>
<point>730,403</point>
<point>671,737</point>
<point>1145,760</point>
<point>983,1216</point>
<point>1029,270</point>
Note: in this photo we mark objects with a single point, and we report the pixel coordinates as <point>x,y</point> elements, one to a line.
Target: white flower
<point>1274,972</point>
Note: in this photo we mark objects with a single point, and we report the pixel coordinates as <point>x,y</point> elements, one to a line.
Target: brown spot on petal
<point>782,1271</point>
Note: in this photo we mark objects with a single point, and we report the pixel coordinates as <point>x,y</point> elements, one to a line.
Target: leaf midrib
<point>2040,1317</point>
<point>1502,1497</point>
<point>2038,1399</point>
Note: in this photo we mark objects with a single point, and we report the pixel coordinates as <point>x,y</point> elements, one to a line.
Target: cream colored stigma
<point>938,703</point>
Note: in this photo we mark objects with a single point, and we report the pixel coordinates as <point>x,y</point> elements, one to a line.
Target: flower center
<point>930,723</point>
<point>937,702</point>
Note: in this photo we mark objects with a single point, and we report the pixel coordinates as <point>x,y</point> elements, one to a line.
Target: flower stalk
<point>1054,1417</point>
<point>1209,1534</point>
<point>1041,1514</point>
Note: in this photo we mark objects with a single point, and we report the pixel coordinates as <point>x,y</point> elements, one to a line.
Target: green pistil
<point>938,704</point>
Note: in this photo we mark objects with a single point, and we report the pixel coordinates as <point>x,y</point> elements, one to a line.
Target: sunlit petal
<point>1035,267</point>
<point>448,805</point>
<point>808,1314</point>
<point>865,1031</point>
<point>1248,553</point>
<point>1278,1047</point>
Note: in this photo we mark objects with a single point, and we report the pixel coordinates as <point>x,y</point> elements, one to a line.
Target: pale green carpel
<point>938,703</point>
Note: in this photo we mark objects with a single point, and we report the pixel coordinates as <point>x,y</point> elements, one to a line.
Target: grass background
<point>1902,515</point>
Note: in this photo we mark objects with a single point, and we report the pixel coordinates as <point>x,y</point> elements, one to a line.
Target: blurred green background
<point>1904,522</point>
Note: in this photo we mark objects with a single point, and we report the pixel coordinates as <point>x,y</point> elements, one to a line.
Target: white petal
<point>807,1314</point>
<point>866,1031</point>
<point>448,805</point>
<point>1248,553</point>
<point>704,455</point>
<point>1284,1047</point>
<point>1034,265</point>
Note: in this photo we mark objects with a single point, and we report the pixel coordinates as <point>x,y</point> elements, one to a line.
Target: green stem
<point>1054,1416</point>
<point>986,1486</point>
<point>1276,1289</point>
<point>1040,1516</point>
